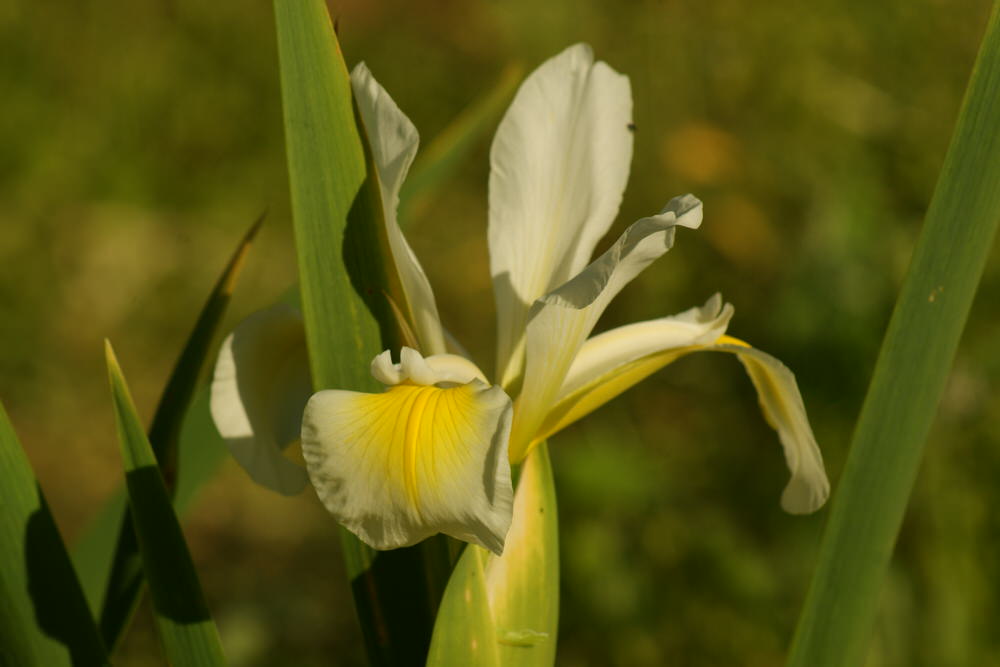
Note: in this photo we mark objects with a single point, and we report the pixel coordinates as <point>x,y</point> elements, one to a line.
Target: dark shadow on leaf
<point>401,626</point>
<point>60,608</point>
<point>173,582</point>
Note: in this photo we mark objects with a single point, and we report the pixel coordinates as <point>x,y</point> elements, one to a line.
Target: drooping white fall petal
<point>394,140</point>
<point>558,168</point>
<point>427,456</point>
<point>561,321</point>
<point>260,386</point>
<point>612,362</point>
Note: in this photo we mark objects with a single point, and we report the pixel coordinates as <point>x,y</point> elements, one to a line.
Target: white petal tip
<point>805,495</point>
<point>685,209</point>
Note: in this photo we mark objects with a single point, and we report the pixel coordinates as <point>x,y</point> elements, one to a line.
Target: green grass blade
<point>200,453</point>
<point>464,632</point>
<point>909,379</point>
<point>328,179</point>
<point>523,585</point>
<point>343,277</point>
<point>44,618</point>
<point>188,633</point>
<point>444,156</point>
<point>124,582</point>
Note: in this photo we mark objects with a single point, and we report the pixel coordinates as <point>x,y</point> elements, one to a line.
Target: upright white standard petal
<point>427,456</point>
<point>393,140</point>
<point>562,320</point>
<point>259,390</point>
<point>558,168</point>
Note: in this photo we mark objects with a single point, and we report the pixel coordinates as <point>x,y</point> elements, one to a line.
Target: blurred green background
<point>140,139</point>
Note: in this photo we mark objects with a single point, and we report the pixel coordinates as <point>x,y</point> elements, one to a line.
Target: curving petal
<point>558,168</point>
<point>612,362</point>
<point>415,369</point>
<point>782,405</point>
<point>393,140</point>
<point>562,320</point>
<point>416,460</point>
<point>260,387</point>
<point>777,392</point>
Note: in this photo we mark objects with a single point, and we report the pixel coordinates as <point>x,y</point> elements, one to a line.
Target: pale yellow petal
<point>777,392</point>
<point>612,362</point>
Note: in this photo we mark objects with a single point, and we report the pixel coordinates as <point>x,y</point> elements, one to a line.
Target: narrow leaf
<point>124,582</point>
<point>908,382</point>
<point>185,626</point>
<point>344,273</point>
<point>200,453</point>
<point>44,619</point>
<point>329,184</point>
<point>464,632</point>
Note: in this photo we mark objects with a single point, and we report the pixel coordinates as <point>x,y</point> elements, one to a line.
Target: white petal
<point>561,321</point>
<point>393,140</point>
<point>784,410</point>
<point>259,390</point>
<point>612,370</point>
<point>415,369</point>
<point>416,460</point>
<point>616,360</point>
<point>559,164</point>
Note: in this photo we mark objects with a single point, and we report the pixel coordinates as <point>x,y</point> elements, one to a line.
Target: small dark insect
<point>631,127</point>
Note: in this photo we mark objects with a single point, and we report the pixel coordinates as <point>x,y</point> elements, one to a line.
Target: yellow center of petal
<point>414,435</point>
<point>421,396</point>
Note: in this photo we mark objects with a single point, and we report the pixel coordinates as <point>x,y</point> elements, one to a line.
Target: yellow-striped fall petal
<point>606,366</point>
<point>427,456</point>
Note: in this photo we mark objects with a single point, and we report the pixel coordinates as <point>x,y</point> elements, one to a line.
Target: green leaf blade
<point>511,600</point>
<point>916,355</point>
<point>345,271</point>
<point>189,635</point>
<point>523,584</point>
<point>44,617</point>
<point>328,179</point>
<point>464,633</point>
<point>122,585</point>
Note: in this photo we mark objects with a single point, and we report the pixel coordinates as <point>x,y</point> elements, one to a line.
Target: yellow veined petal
<point>393,140</point>
<point>260,387</point>
<point>561,321</point>
<point>558,167</point>
<point>777,392</point>
<point>414,461</point>
<point>604,367</point>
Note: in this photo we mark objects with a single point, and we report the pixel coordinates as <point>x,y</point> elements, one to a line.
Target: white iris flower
<point>433,452</point>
